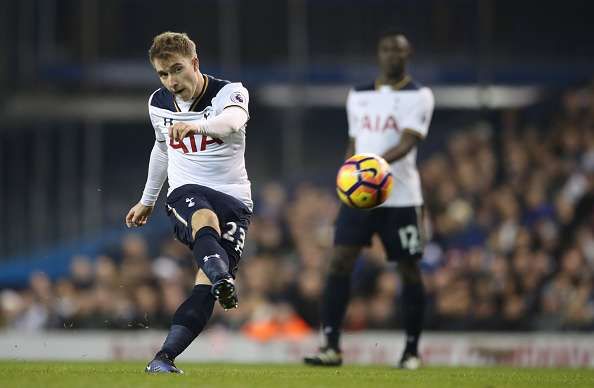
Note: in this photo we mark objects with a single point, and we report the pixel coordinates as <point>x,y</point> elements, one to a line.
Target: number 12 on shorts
<point>409,239</point>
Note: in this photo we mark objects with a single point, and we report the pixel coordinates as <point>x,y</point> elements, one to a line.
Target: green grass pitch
<point>25,374</point>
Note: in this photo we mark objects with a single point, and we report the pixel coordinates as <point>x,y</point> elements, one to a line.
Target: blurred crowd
<point>510,246</point>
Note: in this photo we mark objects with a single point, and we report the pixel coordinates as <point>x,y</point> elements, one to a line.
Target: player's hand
<point>179,130</point>
<point>138,215</point>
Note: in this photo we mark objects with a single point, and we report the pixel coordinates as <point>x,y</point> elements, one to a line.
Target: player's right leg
<point>354,229</point>
<point>212,258</point>
<point>334,305</point>
<point>335,301</point>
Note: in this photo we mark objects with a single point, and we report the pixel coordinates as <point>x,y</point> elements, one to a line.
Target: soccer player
<point>200,125</point>
<point>389,118</point>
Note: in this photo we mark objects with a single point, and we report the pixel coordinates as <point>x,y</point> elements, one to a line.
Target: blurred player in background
<point>200,125</point>
<point>389,118</point>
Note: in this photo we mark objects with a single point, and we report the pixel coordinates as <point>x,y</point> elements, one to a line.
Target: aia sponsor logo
<point>379,123</point>
<point>190,145</point>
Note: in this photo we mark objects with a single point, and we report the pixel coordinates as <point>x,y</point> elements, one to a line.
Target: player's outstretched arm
<point>230,120</point>
<point>138,215</point>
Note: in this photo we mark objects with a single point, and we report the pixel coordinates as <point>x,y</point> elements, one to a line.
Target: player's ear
<point>410,50</point>
<point>195,63</point>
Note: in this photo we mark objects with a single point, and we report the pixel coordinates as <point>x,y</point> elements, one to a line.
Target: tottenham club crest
<point>237,97</point>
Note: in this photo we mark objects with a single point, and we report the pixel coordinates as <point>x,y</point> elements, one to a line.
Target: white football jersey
<point>377,117</point>
<point>202,160</point>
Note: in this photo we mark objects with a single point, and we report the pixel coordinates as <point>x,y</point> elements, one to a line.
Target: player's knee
<point>410,271</point>
<point>202,218</point>
<point>343,260</point>
<point>201,279</point>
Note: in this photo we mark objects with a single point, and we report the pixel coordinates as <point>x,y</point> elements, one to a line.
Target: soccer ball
<point>364,181</point>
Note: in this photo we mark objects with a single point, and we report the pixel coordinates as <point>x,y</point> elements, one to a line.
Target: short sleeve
<point>233,94</point>
<point>421,112</point>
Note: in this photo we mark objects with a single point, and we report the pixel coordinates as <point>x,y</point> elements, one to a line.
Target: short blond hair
<point>170,43</point>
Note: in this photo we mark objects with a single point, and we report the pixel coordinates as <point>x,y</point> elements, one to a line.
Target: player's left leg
<point>197,226</point>
<point>213,281</point>
<point>188,322</point>
<point>402,236</point>
<point>413,307</point>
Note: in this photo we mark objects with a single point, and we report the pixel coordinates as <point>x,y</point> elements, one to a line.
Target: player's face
<point>393,52</point>
<point>178,74</point>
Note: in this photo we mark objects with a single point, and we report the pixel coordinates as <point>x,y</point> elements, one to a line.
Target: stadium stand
<point>510,247</point>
